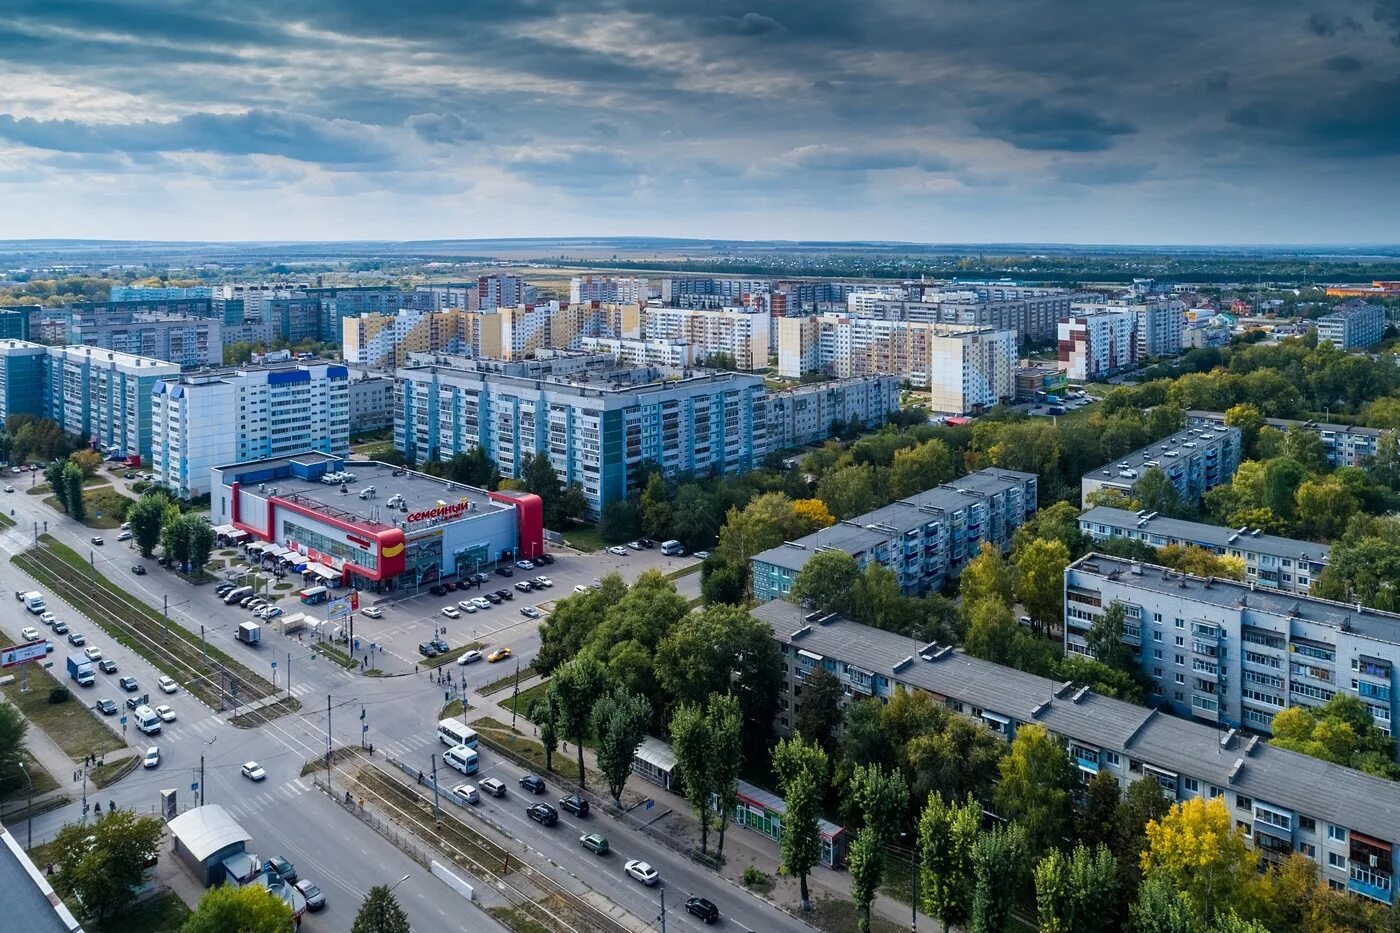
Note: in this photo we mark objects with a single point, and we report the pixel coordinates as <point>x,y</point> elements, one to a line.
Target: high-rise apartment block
<point>1353,326</point>
<point>808,414</point>
<point>1160,328</point>
<point>23,375</point>
<point>925,539</point>
<point>104,397</point>
<point>1033,317</point>
<point>609,289</point>
<point>159,293</point>
<point>211,419</point>
<point>1195,460</point>
<point>190,342</point>
<point>665,353</point>
<point>735,332</point>
<point>1269,560</point>
<point>503,291</point>
<point>1096,341</point>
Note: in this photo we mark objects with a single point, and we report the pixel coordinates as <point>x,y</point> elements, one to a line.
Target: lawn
<point>335,654</point>
<point>72,724</point>
<point>686,571</point>
<point>584,538</point>
<point>163,913</point>
<point>501,683</point>
<point>43,781</point>
<point>502,737</point>
<point>105,508</point>
<point>449,656</point>
<point>521,704</point>
<point>105,775</point>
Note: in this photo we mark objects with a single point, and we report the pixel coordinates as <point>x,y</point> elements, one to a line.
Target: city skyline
<point>931,122</point>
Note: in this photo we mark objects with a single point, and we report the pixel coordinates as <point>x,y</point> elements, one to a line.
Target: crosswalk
<point>183,728</point>
<point>408,749</point>
<point>282,793</point>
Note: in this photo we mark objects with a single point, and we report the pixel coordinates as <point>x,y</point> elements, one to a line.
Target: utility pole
<point>328,741</point>
<point>663,910</point>
<point>363,727</point>
<point>29,812</point>
<point>165,613</point>
<point>289,675</point>
<point>515,697</point>
<point>85,803</point>
<point>203,652</point>
<point>437,809</point>
<point>201,778</point>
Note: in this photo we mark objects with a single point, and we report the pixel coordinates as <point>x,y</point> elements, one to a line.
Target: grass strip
<point>164,913</point>
<point>449,656</point>
<point>496,686</point>
<point>335,654</point>
<point>105,775</point>
<point>528,752</point>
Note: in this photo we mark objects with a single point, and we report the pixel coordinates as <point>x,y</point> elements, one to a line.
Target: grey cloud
<point>751,24</point>
<point>1343,64</point>
<point>1327,25</point>
<point>446,128</point>
<point>1387,14</point>
<point>1103,173</point>
<point>1036,125</point>
<point>580,167</point>
<point>1216,82</point>
<point>1357,124</point>
<point>825,158</point>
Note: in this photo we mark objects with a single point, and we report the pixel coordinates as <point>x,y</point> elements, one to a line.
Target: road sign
<point>194,785</point>
<point>355,599</point>
<point>274,665</point>
<point>338,610</point>
<point>19,654</point>
<point>123,720</point>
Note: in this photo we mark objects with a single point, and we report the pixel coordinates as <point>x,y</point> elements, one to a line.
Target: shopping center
<point>376,526</point>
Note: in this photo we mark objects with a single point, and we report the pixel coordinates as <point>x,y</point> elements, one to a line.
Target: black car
<point>285,870</point>
<point>428,650</point>
<point>543,814</point>
<point>574,804</point>
<point>441,646</point>
<point>533,783</point>
<point>107,666</point>
<point>503,594</point>
<point>133,702</point>
<point>129,684</point>
<point>106,707</point>
<point>506,571</point>
<point>139,570</point>
<point>223,589</point>
<point>544,559</point>
<point>437,590</point>
<point>647,543</point>
<point>702,908</point>
<point>128,475</point>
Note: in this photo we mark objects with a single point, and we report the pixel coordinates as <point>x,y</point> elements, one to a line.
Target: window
<point>1243,803</point>
<point>1180,660</point>
<point>1336,833</point>
<point>1157,617</point>
<point>1156,654</point>
<point>1111,758</point>
<point>1308,850</point>
<point>1307,824</point>
<point>1334,860</point>
<point>1181,679</point>
<point>1191,785</point>
<point>1156,636</point>
<point>1180,623</point>
<point>1180,641</point>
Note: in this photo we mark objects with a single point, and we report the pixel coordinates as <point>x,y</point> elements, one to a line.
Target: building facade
<point>1195,460</point>
<point>206,420</point>
<point>190,342</point>
<point>1040,383</point>
<point>665,353</point>
<point>925,539</point>
<point>1095,343</point>
<point>1286,802</point>
<point>1160,325</point>
<point>23,378</point>
<point>733,332</point>
<point>1345,444</point>
<point>807,414</point>
<point>371,402</point>
<point>609,289</point>
<point>104,397</point>
<point>1269,560</point>
<point>1357,326</point>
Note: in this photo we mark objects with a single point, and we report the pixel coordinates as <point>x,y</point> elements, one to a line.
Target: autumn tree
<point>1199,850</point>
<point>1341,731</point>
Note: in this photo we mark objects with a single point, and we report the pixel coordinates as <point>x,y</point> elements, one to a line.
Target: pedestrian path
<point>282,793</point>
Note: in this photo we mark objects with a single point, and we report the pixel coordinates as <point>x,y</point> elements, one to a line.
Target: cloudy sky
<point>1090,121</point>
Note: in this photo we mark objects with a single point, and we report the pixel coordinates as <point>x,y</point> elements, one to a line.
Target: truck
<point>34,601</point>
<point>250,633</point>
<point>80,669</point>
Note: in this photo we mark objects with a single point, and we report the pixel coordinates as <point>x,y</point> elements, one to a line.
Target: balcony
<point>1374,885</point>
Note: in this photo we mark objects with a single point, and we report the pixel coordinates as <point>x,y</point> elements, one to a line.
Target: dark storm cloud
<point>1343,64</point>
<point>1037,125</point>
<point>1325,24</point>
<point>1387,14</point>
<point>1356,124</point>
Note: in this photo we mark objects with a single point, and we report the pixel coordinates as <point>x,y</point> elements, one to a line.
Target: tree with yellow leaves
<point>1197,847</point>
<point>814,511</point>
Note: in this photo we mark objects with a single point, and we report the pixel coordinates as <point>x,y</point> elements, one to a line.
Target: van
<point>462,758</point>
<point>672,548</point>
<point>147,720</point>
<point>454,732</point>
<point>238,594</point>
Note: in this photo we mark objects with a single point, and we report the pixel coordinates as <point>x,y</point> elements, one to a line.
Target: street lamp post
<point>29,811</point>
<point>914,884</point>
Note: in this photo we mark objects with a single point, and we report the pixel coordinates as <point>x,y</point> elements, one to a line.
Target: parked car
<point>543,814</point>
<point>506,571</point>
<point>152,759</point>
<point>545,559</point>
<point>129,684</point>
<point>533,783</point>
<point>107,666</point>
<point>285,869</point>
<point>701,555</point>
<point>106,707</point>
<point>449,585</point>
<point>525,586</point>
<point>441,646</point>
<point>524,565</point>
<point>223,589</point>
<point>543,582</point>
<point>166,684</point>
<point>123,536</point>
<point>427,649</point>
<point>702,908</point>
<point>467,606</point>
<point>315,900</point>
<point>469,657</point>
<point>139,570</point>
<point>575,804</point>
<point>500,595</point>
<point>618,549</point>
<point>530,612</point>
<point>373,612</point>
<point>465,793</point>
<point>452,612</point>
<point>437,590</point>
<point>641,871</point>
<point>635,545</point>
<point>597,842</point>
<point>500,654</point>
<point>269,612</point>
<point>481,602</point>
<point>580,588</point>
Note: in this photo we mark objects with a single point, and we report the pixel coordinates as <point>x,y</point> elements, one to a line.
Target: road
<point>287,816</point>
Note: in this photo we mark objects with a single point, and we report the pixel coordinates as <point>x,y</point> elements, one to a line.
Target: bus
<point>452,732</point>
<point>462,758</point>
<point>315,595</point>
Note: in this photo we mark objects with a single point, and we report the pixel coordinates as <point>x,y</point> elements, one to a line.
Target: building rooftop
<point>31,905</point>
<point>1210,536</point>
<point>615,381</point>
<point>1283,424</point>
<point>1231,760</point>
<point>1160,454</point>
<point>207,829</point>
<point>1231,594</point>
<point>419,491</point>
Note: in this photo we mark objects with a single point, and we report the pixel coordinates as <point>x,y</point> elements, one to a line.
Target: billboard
<point>19,654</point>
<point>338,610</point>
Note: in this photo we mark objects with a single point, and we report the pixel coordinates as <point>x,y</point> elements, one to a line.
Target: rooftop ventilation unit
<point>902,664</point>
<point>800,632</point>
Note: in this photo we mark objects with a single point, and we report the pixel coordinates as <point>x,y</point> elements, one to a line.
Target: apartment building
<point>1160,328</point>
<point>1269,560</point>
<point>503,291</point>
<point>1195,459</point>
<point>1353,326</point>
<point>159,293</point>
<point>807,414</point>
<point>23,373</point>
<point>736,332</point>
<point>610,289</point>
<point>597,426</point>
<point>451,296</point>
<point>211,419</point>
<point>925,539</point>
<point>711,292</point>
<point>971,369</point>
<point>190,342</point>
<point>663,353</point>
<point>570,323</point>
<point>1033,317</point>
<point>104,397</point>
<point>1096,342</point>
<point>1284,801</point>
<point>383,341</point>
<point>1345,444</point>
<point>371,401</point>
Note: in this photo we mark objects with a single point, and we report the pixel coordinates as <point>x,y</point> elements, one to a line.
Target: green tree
<point>987,577</point>
<point>1341,731</point>
<point>947,842</point>
<point>177,537</point>
<point>1105,639</point>
<point>1154,491</point>
<point>1040,582</point>
<point>53,475</point>
<point>690,739</point>
<point>725,721</point>
<point>1324,507</point>
<point>13,726</point>
<point>827,582</point>
<point>574,687</point>
<point>1098,815</point>
<point>865,861</point>
<point>1036,780</point>
<point>1282,477</point>
<point>1058,521</point>
<point>250,909</point>
<point>695,520</point>
<point>918,468</point>
<point>1074,892</point>
<point>801,769</point>
<point>380,913</point>
<point>993,634</point>
<point>545,715</point>
<point>73,491</point>
<point>881,797</point>
<point>656,513</point>
<point>999,863</point>
<point>819,708</point>
<point>1249,420</point>
<point>1142,803</point>
<point>565,631</point>
<point>1304,445</point>
<point>723,582</point>
<point>474,467</point>
<point>145,518</point>
<point>619,725</point>
<point>541,479</point>
<point>849,491</point>
<point>619,521</point>
<point>102,863</point>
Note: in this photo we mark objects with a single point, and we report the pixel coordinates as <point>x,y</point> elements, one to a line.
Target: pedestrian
<point>98,806</point>
<point>112,805</point>
<point>415,668</point>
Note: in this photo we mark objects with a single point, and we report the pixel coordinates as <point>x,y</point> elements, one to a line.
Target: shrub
<point>60,695</point>
<point>756,879</point>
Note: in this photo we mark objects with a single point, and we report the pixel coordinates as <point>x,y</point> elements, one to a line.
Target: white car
<point>700,555</point>
<point>618,549</point>
<point>9,488</point>
<point>481,602</point>
<point>373,612</point>
<point>469,656</point>
<point>253,771</point>
<point>124,536</point>
<point>641,871</point>
<point>152,759</point>
<point>467,606</point>
<point>29,634</point>
<point>47,618</point>
<point>93,653</point>
<point>451,612</point>
<point>466,793</point>
<point>269,612</point>
<point>580,588</point>
<point>524,565</point>
<point>544,581</point>
<point>166,685</point>
<point>165,713</point>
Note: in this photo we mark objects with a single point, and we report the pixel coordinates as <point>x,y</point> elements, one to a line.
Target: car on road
<point>29,634</point>
<point>123,536</point>
<point>596,842</point>
<point>96,539</point>
<point>60,627</point>
<point>48,618</point>
<point>139,570</point>
<point>543,814</point>
<point>252,771</point>
<point>285,869</point>
<point>544,582</point>
<point>469,656</point>
<point>700,555</point>
<point>166,684</point>
<point>465,793</point>
<point>642,871</point>
<point>506,571</point>
<point>427,649</point>
<point>703,908</point>
<point>129,684</point>
<point>635,545</point>
<point>9,488</point>
<point>524,565</point>
<point>500,654</point>
<point>452,612</point>
<point>525,586</point>
<point>373,612</point>
<point>107,666</point>
<point>493,787</point>
<point>315,900</point>
<point>165,713</point>
<point>76,639</point>
<point>93,653</point>
<point>106,707</point>
<point>530,612</point>
<point>133,702</point>
<point>533,783</point>
<point>544,559</point>
<point>152,759</point>
<point>618,549</point>
<point>575,804</point>
<point>438,589</point>
<point>481,602</point>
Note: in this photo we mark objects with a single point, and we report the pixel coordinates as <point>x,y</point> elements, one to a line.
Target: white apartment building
<point>668,354</point>
<point>736,332</point>
<point>104,397</point>
<point>1353,326</point>
<point>1161,326</point>
<point>971,370</point>
<point>371,401</point>
<point>1096,341</point>
<point>609,289</point>
<point>207,420</point>
<point>1344,444</point>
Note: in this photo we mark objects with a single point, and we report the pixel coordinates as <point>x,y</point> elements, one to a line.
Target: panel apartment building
<point>807,414</point>
<point>1094,342</point>
<point>1345,444</point>
<point>104,396</point>
<point>1233,653</point>
<point>211,419</point>
<point>1357,326</point>
<point>736,332</point>
<point>190,342</point>
<point>1269,560</point>
<point>23,377</point>
<point>1343,819</point>
<point>1195,460</point>
<point>1034,317</point>
<point>925,539</point>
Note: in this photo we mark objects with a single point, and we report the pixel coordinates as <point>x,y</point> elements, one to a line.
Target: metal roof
<point>1162,453</point>
<point>1283,424</point>
<point>1212,536</point>
<point>30,903</point>
<point>207,829</point>
<point>656,753</point>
